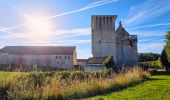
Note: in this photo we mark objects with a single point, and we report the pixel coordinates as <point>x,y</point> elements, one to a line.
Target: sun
<point>39,28</point>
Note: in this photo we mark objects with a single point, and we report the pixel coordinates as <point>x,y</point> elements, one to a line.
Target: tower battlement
<point>103,22</point>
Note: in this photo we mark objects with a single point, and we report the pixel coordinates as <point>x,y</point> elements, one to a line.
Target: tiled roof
<point>38,50</point>
<point>96,60</point>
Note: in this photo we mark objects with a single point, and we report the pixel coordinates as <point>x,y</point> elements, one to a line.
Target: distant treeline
<point>150,60</point>
<point>145,57</point>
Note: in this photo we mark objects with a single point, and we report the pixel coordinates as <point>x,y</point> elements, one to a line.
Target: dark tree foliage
<point>109,63</point>
<point>168,45</point>
<point>164,58</point>
<point>144,57</point>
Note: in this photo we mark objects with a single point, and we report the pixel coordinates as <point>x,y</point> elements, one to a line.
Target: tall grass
<point>69,85</point>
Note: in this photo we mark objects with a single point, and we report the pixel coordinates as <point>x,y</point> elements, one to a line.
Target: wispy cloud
<point>63,33</point>
<point>149,41</point>
<point>84,53</point>
<point>58,34</point>
<point>89,6</point>
<point>148,10</point>
<point>150,47</point>
<point>1,28</point>
<point>150,26</point>
<point>142,33</point>
<point>58,42</point>
<point>135,18</point>
<point>14,35</point>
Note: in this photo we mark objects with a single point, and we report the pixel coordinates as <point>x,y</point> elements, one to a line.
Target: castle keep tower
<point>126,47</point>
<point>103,36</point>
<point>107,41</point>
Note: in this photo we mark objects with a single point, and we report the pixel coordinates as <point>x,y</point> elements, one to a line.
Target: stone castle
<point>105,41</point>
<point>108,41</point>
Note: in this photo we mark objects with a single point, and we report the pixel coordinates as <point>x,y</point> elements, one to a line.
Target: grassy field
<point>156,88</point>
<point>66,84</point>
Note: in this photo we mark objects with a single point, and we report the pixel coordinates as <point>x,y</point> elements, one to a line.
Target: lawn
<point>156,88</point>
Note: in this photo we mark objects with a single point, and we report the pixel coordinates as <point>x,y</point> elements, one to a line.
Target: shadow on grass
<point>161,73</point>
<point>155,79</point>
<point>116,89</point>
<point>133,84</point>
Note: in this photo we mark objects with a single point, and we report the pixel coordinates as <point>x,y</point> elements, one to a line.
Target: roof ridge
<point>121,29</point>
<point>39,50</point>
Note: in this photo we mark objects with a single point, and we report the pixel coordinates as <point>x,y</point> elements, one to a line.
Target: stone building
<point>95,64</point>
<point>106,40</point>
<point>57,57</point>
<point>81,63</point>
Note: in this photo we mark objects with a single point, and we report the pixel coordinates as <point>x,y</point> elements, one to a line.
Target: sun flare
<point>39,28</point>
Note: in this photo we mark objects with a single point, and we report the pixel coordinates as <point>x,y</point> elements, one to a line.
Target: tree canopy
<point>168,45</point>
<point>165,56</point>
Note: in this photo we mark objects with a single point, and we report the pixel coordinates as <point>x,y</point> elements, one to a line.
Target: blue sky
<point>69,22</point>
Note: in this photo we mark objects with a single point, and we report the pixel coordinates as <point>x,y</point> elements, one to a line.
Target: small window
<point>60,57</point>
<point>68,57</point>
<point>65,57</point>
<point>56,57</point>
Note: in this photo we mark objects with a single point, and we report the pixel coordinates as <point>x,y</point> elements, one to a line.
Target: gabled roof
<point>120,30</point>
<point>81,60</point>
<point>38,50</point>
<point>96,60</point>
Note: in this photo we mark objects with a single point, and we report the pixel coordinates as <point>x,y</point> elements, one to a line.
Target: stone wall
<point>127,53</point>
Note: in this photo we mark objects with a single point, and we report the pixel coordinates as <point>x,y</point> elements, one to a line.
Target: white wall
<point>94,67</point>
<point>28,60</point>
<point>62,61</point>
<point>66,61</point>
<point>3,58</point>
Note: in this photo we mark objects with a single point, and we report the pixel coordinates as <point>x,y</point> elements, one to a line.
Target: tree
<point>165,56</point>
<point>168,45</point>
<point>109,63</point>
<point>164,59</point>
